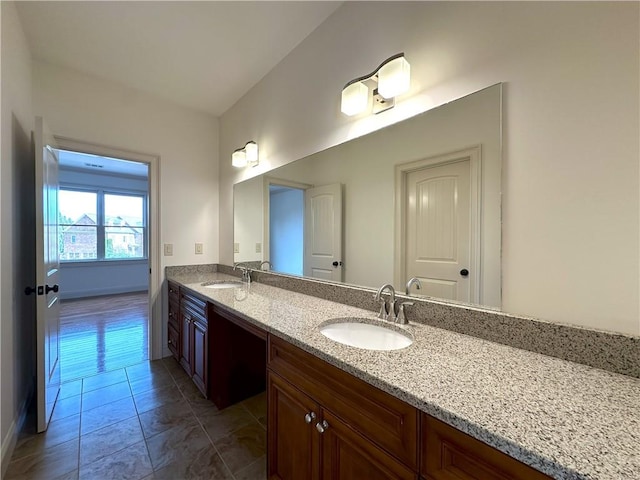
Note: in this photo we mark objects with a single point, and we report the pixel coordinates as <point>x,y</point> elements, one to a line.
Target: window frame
<point>100,223</point>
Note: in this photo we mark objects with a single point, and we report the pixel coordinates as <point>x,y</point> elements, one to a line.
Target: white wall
<point>93,110</point>
<point>101,112</point>
<point>571,205</point>
<point>248,222</point>
<point>17,323</point>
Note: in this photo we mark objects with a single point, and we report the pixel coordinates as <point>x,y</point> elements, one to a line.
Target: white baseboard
<point>11,438</point>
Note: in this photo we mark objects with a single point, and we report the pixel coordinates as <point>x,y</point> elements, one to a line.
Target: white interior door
<point>438,230</point>
<point>47,272</point>
<point>323,232</point>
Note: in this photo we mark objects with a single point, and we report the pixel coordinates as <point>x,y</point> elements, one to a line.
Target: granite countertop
<point>567,420</point>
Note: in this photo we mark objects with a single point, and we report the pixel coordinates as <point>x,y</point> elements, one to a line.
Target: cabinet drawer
<point>449,453</point>
<point>174,314</point>
<point>385,420</point>
<point>195,305</point>
<point>174,292</point>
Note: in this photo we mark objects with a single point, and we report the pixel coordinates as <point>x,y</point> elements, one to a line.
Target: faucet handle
<point>402,319</point>
<point>383,307</point>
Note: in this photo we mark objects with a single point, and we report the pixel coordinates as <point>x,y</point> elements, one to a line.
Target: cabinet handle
<point>322,426</point>
<point>309,417</point>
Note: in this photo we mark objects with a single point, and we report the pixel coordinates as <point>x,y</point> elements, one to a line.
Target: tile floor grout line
<point>212,442</point>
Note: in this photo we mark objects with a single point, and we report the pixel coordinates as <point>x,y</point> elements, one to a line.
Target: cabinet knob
<point>309,417</point>
<point>322,426</point>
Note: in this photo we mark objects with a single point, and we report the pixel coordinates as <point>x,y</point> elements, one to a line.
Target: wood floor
<point>101,334</point>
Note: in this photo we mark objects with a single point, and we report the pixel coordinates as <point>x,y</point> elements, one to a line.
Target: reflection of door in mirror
<point>440,230</point>
<point>323,232</point>
<point>304,229</point>
<point>437,234</point>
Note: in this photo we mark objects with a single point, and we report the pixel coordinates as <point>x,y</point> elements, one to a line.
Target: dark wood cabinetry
<point>356,430</point>
<point>195,339</point>
<point>173,334</point>
<point>323,423</point>
<point>448,453</point>
<point>187,334</point>
<point>294,442</point>
<point>237,360</point>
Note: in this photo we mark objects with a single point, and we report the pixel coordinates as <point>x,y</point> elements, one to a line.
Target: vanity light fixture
<point>390,79</point>
<point>247,155</point>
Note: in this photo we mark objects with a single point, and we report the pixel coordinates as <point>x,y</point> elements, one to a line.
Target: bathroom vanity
<point>448,406</point>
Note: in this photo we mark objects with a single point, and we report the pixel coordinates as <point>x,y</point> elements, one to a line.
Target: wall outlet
<point>199,249</point>
<point>236,248</point>
<point>258,248</point>
<point>168,249</point>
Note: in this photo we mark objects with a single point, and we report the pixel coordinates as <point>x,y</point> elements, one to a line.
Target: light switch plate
<point>168,249</point>
<point>199,248</point>
<point>258,247</point>
<point>236,248</point>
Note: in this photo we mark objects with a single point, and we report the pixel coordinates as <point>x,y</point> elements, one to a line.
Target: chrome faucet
<point>246,271</point>
<point>387,310</point>
<point>268,263</point>
<point>413,281</point>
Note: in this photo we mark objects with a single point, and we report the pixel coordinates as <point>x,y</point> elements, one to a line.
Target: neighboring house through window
<point>101,225</point>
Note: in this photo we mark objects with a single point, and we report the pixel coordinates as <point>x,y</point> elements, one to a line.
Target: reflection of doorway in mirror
<point>286,229</point>
<point>439,232</point>
<point>323,232</point>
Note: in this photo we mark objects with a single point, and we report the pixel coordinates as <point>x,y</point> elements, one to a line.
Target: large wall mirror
<point>420,198</point>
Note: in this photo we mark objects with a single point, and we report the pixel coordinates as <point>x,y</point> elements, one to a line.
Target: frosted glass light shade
<point>355,98</point>
<point>251,149</point>
<point>394,78</point>
<point>239,159</point>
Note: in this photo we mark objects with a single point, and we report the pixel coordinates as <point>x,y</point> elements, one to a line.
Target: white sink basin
<point>356,333</point>
<point>222,284</point>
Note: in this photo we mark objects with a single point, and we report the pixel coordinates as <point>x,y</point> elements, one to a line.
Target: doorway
<point>286,229</point>
<point>108,248</point>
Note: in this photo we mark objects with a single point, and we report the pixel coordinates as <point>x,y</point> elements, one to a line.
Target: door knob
<point>309,417</point>
<point>336,263</point>
<point>30,290</point>
<point>464,272</point>
<point>53,289</point>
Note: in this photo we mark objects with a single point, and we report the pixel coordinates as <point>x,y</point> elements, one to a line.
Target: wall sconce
<point>248,155</point>
<point>390,79</point>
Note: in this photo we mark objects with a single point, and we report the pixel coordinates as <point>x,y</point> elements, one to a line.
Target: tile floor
<point>146,421</point>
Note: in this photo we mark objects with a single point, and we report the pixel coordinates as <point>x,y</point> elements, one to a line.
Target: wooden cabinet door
<point>346,455</point>
<point>185,344</point>
<point>449,454</point>
<point>173,341</point>
<point>200,355</point>
<point>293,441</point>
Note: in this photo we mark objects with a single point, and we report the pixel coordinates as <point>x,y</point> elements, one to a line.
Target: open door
<point>47,273</point>
<point>323,232</point>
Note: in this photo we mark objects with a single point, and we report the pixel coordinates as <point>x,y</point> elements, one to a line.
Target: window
<point>99,225</point>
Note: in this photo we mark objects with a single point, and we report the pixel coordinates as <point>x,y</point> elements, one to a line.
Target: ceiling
<point>101,165</point>
<point>201,55</point>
